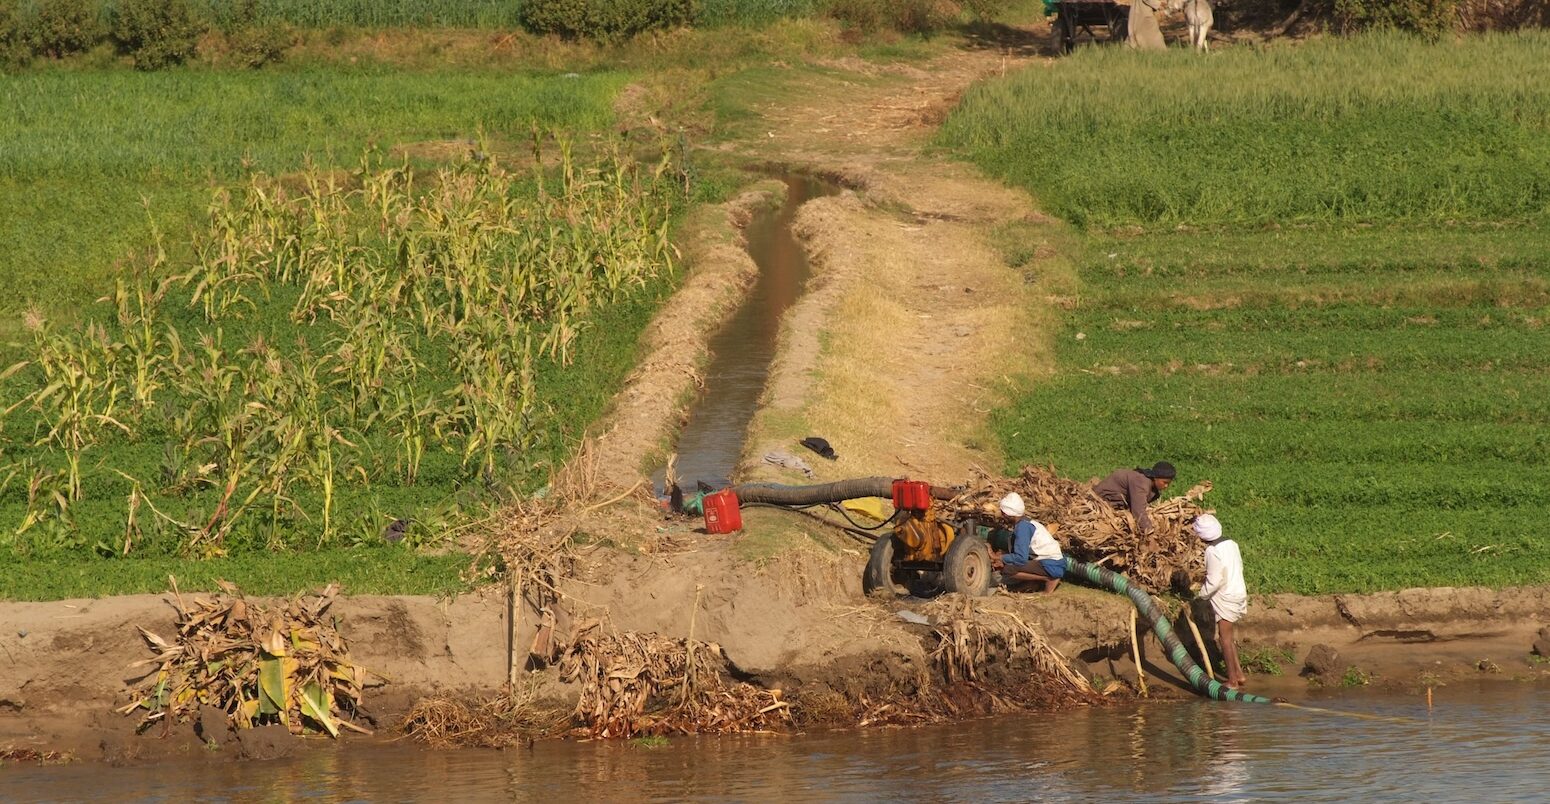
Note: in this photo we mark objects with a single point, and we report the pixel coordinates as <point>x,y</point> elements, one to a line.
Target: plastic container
<point>911,495</point>
<point>722,514</point>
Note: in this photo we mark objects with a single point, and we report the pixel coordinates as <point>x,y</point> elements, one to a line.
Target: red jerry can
<point>911,495</point>
<point>721,512</point>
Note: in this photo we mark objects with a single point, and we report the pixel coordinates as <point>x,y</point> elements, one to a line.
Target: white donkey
<point>1198,14</point>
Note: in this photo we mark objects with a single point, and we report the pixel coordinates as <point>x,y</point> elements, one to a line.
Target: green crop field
<point>1338,314</point>
<point>323,342</point>
<point>84,153</point>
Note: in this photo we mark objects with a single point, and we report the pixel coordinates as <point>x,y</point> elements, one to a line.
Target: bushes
<point>66,27</point>
<point>258,44</point>
<point>607,20</point>
<point>14,47</point>
<point>1430,18</point>
<point>906,16</point>
<point>157,33</point>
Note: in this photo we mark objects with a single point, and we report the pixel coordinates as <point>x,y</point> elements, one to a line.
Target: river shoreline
<point>67,663</point>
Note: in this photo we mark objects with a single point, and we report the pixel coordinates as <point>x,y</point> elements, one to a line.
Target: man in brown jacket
<point>1133,488</point>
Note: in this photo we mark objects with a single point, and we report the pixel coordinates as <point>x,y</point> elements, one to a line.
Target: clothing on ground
<point>1224,585</point>
<point>1129,488</point>
<point>786,460</point>
<point>1031,541</point>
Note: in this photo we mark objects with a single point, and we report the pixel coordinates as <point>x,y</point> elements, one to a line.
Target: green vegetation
<point>384,570</point>
<point>1355,677</point>
<point>1369,129</point>
<point>339,352</point>
<point>1266,660</point>
<point>1339,315</point>
<point>80,151</point>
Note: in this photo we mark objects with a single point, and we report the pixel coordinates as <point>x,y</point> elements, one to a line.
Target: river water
<point>1488,742</point>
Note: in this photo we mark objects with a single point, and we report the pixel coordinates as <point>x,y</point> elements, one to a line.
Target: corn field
<point>332,334</point>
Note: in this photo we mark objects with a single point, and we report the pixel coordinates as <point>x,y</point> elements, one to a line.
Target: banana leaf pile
<point>1091,529</point>
<point>648,684</point>
<point>285,663</point>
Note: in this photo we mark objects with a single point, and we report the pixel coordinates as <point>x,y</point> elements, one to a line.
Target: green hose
<point>1119,584</point>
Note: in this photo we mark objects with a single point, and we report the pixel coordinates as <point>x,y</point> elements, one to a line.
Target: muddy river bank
<point>808,632</point>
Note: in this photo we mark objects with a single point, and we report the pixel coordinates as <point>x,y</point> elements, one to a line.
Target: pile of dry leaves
<point>634,683</point>
<point>1091,529</point>
<point>260,664</point>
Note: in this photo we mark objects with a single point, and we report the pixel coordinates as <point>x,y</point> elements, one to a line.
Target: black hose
<point>781,494</point>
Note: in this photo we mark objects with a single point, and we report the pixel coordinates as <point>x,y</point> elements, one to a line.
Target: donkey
<point>1197,13</point>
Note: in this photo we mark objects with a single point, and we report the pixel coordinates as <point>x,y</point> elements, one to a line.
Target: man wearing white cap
<point>1034,555</point>
<point>1224,589</point>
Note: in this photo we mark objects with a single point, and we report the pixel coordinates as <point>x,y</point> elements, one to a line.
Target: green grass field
<point>1357,355</point>
<point>83,153</point>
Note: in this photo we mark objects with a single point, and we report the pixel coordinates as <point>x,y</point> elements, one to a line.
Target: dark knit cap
<point>1161,469</point>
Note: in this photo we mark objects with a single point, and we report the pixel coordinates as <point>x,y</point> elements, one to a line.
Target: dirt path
<point>914,322</point>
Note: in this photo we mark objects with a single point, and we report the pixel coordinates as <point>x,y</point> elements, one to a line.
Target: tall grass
<point>1372,128</point>
<point>455,13</point>
<point>80,150</point>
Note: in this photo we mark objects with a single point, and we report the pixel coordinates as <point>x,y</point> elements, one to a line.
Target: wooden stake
<point>1135,650</point>
<point>689,646</point>
<point>1199,643</point>
<point>513,618</point>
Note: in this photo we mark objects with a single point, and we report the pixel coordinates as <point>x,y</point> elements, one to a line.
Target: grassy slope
<point>1367,392</point>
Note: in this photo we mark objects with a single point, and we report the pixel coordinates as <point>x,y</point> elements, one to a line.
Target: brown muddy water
<point>1485,742</point>
<point>711,442</point>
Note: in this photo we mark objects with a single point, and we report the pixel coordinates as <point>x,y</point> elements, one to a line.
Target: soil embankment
<point>803,627</point>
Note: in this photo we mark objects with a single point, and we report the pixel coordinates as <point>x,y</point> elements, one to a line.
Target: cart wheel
<point>966,569</point>
<point>878,576</point>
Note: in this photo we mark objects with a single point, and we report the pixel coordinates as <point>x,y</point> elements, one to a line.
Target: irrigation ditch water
<point>1481,741</point>
<point>711,442</point>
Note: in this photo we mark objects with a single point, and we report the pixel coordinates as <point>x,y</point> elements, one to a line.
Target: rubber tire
<point>966,568</point>
<point>878,576</point>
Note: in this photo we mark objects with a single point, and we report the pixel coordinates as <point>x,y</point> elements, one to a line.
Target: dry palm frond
<point>1002,657</point>
<point>498,722</point>
<point>1093,530</point>
<point>634,683</point>
<point>283,664</point>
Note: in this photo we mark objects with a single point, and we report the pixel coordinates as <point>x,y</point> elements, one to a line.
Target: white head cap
<point>1012,505</point>
<point>1208,528</point>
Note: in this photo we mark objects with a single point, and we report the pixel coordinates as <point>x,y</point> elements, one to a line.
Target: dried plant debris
<point>985,647</point>
<point>634,683</point>
<point>285,664</point>
<point>1091,529</point>
<point>12,755</point>
<point>498,722</point>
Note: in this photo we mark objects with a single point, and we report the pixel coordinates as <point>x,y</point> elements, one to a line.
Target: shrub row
<point>160,33</point>
<point>152,33</point>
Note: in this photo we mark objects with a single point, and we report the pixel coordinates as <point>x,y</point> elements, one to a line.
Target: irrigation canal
<point>711,442</point>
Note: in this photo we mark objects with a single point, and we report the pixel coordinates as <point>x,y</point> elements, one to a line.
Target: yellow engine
<point>923,538</point>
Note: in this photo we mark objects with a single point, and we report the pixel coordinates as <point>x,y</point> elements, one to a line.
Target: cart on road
<point>1073,17</point>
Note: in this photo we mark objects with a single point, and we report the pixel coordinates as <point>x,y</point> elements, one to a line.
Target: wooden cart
<point>1073,17</point>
